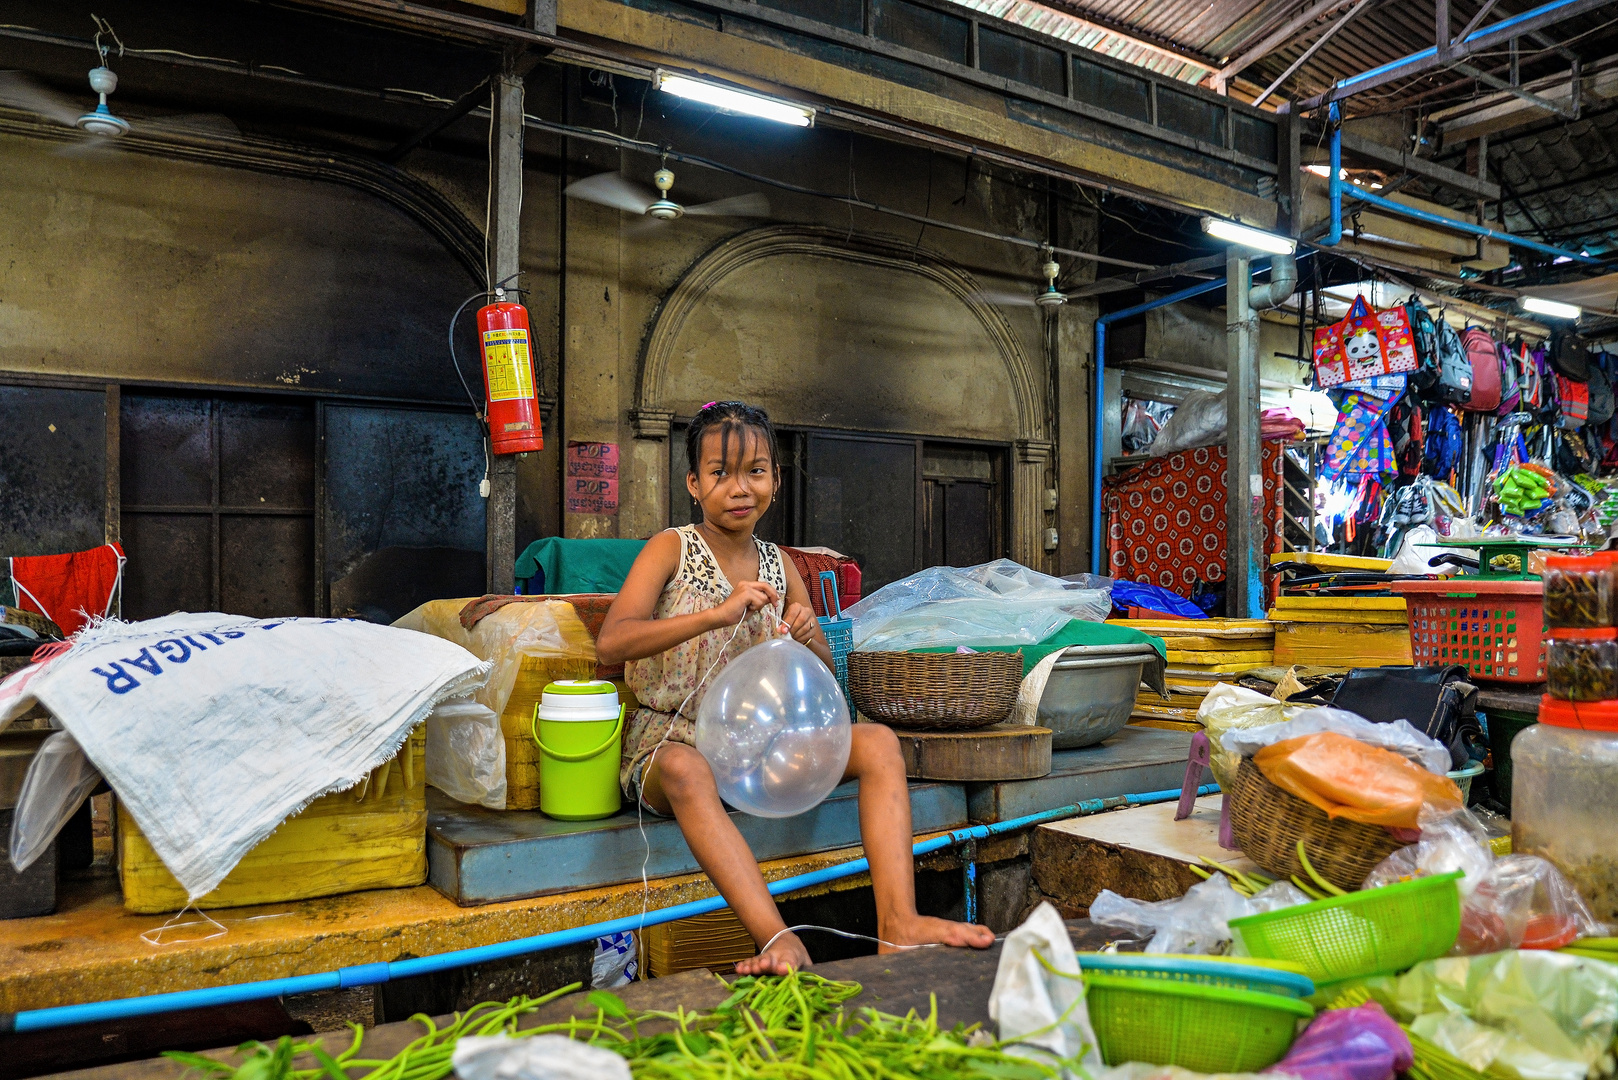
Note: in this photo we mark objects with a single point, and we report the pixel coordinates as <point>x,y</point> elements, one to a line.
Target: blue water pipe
<point>1494,30</point>
<point>378,973</point>
<point>1338,189</point>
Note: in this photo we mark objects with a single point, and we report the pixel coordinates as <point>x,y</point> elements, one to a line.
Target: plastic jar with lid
<point>1581,664</point>
<point>1579,591</point>
<point>1564,796</point>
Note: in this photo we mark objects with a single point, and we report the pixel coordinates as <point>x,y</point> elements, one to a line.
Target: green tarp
<point>578,566</point>
<point>1076,632</point>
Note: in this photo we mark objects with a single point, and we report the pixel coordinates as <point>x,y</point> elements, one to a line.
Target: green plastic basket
<point>1207,1029</point>
<point>1370,932</point>
<point>1201,970</point>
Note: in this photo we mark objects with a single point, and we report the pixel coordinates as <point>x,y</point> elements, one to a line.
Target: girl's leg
<point>679,781</point>
<point>885,830</point>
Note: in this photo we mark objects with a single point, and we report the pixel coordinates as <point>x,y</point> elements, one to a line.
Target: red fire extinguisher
<point>508,377</point>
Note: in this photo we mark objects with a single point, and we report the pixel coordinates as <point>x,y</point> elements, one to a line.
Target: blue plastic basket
<point>839,634</point>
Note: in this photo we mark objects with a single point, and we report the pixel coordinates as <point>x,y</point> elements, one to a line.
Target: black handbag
<point>1570,356</point>
<point>1437,701</point>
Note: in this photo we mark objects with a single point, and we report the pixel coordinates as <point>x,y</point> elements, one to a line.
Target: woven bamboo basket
<point>937,691</point>
<point>1268,822</point>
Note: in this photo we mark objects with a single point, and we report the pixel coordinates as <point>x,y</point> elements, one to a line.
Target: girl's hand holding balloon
<point>799,621</point>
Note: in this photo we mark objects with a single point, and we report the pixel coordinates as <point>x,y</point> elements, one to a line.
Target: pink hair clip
<point>710,404</point>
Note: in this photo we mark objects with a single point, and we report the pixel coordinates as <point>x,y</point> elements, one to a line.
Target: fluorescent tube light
<point>1249,237</point>
<point>1554,308</point>
<point>736,101</point>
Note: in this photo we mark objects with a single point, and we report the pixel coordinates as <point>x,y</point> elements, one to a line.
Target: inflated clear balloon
<point>774,728</point>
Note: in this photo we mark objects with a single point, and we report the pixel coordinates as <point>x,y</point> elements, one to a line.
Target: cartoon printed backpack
<point>1484,356</point>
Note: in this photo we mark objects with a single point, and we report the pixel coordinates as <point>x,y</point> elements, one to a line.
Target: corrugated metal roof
<point>1090,35</point>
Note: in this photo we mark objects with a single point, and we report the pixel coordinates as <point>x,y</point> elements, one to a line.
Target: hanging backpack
<point>1573,401</point>
<point>1510,383</point>
<point>1570,356</point>
<point>1425,337</point>
<point>1484,356</point>
<point>1454,369</point>
<point>1530,379</point>
<point>1601,403</point>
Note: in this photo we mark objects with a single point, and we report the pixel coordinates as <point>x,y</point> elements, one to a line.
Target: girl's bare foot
<point>785,955</point>
<point>926,930</point>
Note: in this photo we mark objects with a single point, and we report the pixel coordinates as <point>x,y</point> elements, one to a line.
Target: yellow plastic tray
<point>1328,561</point>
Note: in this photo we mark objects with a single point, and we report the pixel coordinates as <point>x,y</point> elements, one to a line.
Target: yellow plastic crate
<point>1339,603</point>
<point>370,837</point>
<point>1327,561</point>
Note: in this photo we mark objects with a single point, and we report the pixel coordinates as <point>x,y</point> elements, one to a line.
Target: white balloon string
<point>845,934</point>
<point>651,759</point>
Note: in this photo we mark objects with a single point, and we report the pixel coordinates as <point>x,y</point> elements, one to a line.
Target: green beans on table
<point>792,1027</point>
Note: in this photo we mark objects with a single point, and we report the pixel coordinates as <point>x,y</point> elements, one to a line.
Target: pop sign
<point>591,478</point>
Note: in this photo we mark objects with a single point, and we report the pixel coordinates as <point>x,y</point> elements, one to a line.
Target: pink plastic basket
<point>1496,629</point>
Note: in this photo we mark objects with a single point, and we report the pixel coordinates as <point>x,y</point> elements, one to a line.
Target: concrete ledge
<point>478,856</point>
<point>1135,760</point>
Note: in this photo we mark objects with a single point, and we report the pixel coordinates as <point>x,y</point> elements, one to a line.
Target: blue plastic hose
<point>375,974</point>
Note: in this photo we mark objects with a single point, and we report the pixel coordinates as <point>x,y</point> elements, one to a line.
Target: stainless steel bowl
<point>1091,693</point>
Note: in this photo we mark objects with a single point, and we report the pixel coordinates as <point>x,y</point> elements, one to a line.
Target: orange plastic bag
<point>1347,778</point>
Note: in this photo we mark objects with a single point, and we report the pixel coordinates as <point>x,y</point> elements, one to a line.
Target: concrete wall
<point>133,268</point>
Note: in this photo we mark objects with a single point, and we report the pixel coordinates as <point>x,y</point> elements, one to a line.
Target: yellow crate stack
<point>1201,652</point>
<point>1340,631</point>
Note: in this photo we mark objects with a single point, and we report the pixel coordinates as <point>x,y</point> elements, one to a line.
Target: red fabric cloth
<point>811,563</point>
<point>1166,518</point>
<point>67,589</point>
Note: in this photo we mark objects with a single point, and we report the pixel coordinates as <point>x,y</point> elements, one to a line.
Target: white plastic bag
<point>59,779</point>
<point>616,962</point>
<point>466,754</point>
<point>1199,421</point>
<point>1227,707</point>
<point>1398,736</point>
<point>997,603</point>
<point>536,1057</point>
<point>213,729</point>
<point>1040,1006</point>
<point>1197,923</point>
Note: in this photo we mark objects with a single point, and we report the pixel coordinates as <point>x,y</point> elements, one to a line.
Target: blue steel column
<point>1244,479</point>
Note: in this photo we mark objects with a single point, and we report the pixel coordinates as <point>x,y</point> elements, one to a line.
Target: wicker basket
<point>948,691</point>
<point>1268,822</point>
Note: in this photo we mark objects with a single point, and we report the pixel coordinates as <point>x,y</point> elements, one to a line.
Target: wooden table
<point>961,980</point>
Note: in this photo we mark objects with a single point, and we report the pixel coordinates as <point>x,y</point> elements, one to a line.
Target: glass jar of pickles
<point>1581,663</point>
<point>1579,591</point>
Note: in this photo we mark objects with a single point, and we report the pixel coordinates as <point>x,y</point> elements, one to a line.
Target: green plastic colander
<point>1202,970</point>
<point>1207,1029</point>
<point>1371,932</point>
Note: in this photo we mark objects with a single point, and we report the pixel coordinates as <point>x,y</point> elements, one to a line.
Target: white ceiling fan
<point>101,126</point>
<point>1047,299</point>
<point>621,193</point>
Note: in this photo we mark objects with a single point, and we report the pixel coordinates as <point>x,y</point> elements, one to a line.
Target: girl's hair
<point>728,418</point>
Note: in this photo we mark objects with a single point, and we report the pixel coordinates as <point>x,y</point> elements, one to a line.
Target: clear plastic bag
<point>1198,421</point>
<point>1038,996</point>
<point>466,754</point>
<point>59,779</point>
<point>1362,1043</point>
<point>1197,923</point>
<point>1449,841</point>
<point>1398,736</point>
<point>1524,902</point>
<point>1530,1014</point>
<point>997,603</point>
<point>1228,707</point>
